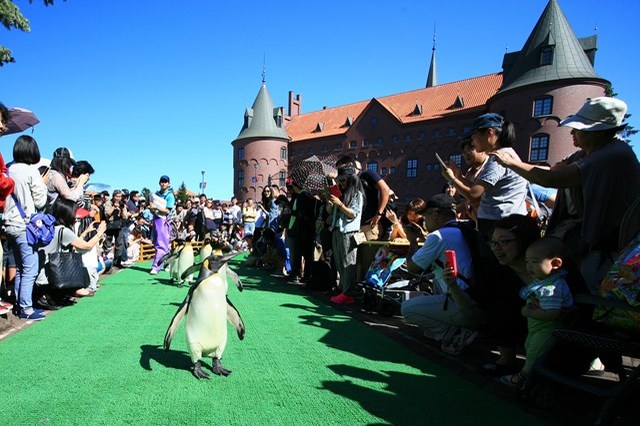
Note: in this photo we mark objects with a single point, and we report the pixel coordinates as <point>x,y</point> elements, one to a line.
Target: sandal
<point>496,370</point>
<point>514,381</point>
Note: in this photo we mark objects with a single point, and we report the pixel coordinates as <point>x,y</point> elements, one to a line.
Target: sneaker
<point>514,381</point>
<point>33,316</point>
<point>153,272</point>
<point>294,280</point>
<point>342,299</point>
<point>460,341</point>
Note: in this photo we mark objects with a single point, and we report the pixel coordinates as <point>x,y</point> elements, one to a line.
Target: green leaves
<point>10,17</point>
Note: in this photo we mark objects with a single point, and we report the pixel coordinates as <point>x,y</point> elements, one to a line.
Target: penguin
<point>180,259</point>
<point>205,250</point>
<point>207,309</point>
<point>185,260</point>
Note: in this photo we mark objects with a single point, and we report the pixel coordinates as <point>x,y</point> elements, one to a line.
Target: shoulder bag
<point>65,270</point>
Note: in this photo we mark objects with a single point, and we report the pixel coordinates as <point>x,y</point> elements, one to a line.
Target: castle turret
<point>546,81</point>
<point>260,150</point>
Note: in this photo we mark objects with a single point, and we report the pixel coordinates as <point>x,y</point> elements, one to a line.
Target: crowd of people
<point>517,263</point>
<point>526,237</point>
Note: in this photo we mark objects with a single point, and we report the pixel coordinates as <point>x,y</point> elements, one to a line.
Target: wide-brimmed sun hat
<point>598,114</point>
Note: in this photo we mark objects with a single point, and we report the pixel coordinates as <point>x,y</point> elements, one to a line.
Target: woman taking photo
<point>59,176</point>
<point>270,208</point>
<point>31,192</point>
<point>501,191</point>
<point>64,211</point>
<point>346,212</point>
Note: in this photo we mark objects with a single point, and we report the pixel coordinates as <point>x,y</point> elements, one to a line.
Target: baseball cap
<point>440,201</point>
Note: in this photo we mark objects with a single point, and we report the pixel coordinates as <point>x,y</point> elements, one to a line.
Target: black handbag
<point>65,270</point>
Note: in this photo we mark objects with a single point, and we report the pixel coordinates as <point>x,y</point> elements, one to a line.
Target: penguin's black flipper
<point>235,278</point>
<point>192,269</point>
<point>167,257</point>
<point>234,318</point>
<point>171,331</point>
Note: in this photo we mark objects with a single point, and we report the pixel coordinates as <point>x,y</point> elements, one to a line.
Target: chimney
<point>295,104</point>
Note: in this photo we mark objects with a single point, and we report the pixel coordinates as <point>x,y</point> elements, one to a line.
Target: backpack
<point>484,264</point>
<point>40,228</point>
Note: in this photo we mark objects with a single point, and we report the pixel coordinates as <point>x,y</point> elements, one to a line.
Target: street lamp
<point>202,185</point>
<point>255,182</point>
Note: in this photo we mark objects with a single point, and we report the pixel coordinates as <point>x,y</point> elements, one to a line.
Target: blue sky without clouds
<point>144,88</point>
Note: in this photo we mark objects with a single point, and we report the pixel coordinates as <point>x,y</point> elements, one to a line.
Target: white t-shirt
<point>68,236</point>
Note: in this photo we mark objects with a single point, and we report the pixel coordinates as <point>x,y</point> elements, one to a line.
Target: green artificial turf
<point>301,362</point>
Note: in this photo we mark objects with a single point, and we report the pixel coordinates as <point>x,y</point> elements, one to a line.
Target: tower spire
<point>432,79</point>
<point>264,68</point>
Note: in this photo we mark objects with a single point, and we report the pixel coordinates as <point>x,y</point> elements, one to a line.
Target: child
<point>546,296</point>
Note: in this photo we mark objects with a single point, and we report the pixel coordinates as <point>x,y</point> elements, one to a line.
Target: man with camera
<point>117,218</point>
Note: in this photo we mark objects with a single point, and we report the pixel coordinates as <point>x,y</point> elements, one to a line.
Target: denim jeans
<point>26,270</point>
<point>249,228</point>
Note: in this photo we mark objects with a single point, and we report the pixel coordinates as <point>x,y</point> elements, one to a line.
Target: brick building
<point>398,135</point>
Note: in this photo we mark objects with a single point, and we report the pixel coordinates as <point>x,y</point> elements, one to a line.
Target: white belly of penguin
<point>206,326</point>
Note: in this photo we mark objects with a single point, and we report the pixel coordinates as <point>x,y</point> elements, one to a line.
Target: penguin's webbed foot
<point>198,372</point>
<point>219,369</point>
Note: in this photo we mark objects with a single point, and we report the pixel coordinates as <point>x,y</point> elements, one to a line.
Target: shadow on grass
<point>347,334</point>
<point>259,279</point>
<point>404,398</point>
<point>179,360</point>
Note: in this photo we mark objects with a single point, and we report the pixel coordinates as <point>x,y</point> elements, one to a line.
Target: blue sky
<point>144,88</point>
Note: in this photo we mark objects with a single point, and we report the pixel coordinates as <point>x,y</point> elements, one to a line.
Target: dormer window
<point>546,55</point>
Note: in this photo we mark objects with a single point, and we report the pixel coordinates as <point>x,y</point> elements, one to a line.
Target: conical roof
<point>552,52</point>
<point>262,120</point>
<point>432,78</point>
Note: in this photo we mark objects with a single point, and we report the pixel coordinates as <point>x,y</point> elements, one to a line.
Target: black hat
<point>440,201</point>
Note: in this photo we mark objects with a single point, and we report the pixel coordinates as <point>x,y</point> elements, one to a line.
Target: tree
<point>11,17</point>
<point>629,130</point>
<point>182,195</point>
<point>146,193</point>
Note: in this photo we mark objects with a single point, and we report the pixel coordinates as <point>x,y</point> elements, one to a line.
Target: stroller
<point>384,287</point>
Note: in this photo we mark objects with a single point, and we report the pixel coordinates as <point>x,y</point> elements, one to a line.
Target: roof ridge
<point>442,86</point>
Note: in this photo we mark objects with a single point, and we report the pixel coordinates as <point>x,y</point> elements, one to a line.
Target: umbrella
<point>20,120</point>
<point>311,173</point>
<point>97,187</point>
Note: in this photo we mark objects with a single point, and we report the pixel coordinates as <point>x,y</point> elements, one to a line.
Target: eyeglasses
<point>501,243</point>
